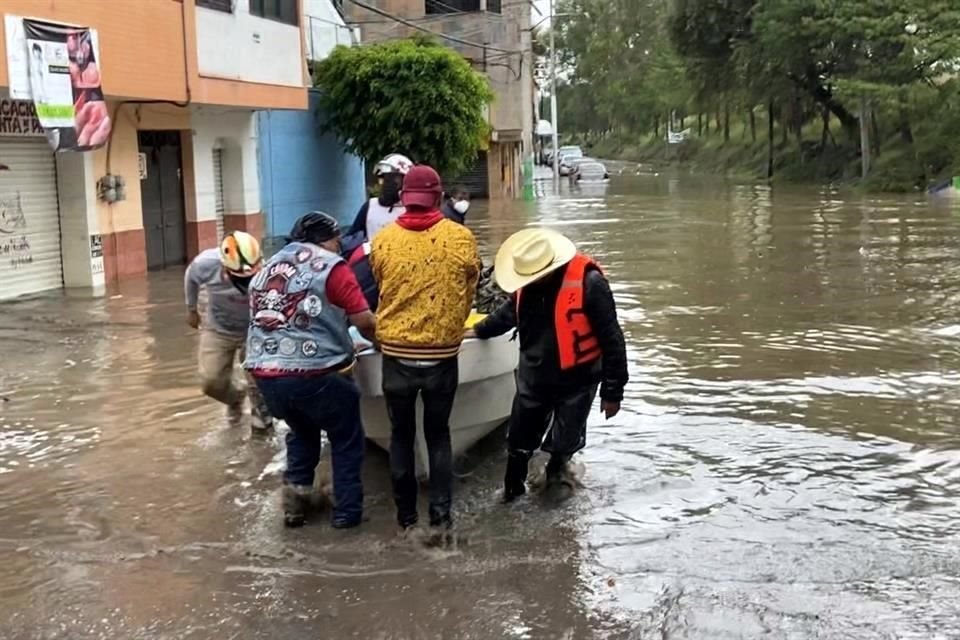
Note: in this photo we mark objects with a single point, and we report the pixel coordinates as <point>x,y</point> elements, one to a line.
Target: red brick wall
<point>252,224</point>
<point>124,254</point>
<point>201,236</point>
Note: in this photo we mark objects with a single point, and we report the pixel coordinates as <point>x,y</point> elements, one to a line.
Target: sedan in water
<point>568,160</point>
<point>590,171</point>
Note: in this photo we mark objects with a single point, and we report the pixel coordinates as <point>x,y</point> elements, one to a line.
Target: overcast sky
<point>544,6</point>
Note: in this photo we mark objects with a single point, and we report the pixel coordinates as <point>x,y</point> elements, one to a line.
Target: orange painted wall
<point>124,154</point>
<point>131,67</point>
<point>141,51</point>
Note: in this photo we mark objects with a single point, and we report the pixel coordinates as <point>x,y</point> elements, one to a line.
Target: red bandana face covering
<point>419,221</point>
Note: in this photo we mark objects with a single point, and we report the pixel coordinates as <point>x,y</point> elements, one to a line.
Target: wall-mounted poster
<point>61,66</point>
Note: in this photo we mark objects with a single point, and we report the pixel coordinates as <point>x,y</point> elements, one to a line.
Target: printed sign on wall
<point>96,253</point>
<point>61,66</point>
<point>19,118</point>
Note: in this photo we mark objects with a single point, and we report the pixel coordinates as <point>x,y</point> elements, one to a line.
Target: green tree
<point>414,97</point>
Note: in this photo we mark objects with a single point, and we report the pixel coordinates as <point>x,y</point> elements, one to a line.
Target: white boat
<point>483,401</point>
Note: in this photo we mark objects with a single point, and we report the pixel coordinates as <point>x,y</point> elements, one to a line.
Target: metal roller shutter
<point>30,258</point>
<point>476,179</point>
<point>220,200</point>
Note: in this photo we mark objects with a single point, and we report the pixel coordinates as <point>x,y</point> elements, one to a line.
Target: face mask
<point>389,193</point>
<point>242,284</point>
<point>461,206</point>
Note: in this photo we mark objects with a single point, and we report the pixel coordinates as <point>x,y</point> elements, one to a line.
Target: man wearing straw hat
<point>570,344</point>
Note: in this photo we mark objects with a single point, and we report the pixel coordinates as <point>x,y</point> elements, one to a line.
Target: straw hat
<point>529,255</point>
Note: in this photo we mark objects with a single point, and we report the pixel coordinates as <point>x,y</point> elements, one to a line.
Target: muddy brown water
<point>786,464</point>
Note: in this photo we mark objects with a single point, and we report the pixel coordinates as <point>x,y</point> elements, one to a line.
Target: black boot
<point>296,502</point>
<point>514,480</point>
<point>557,470</point>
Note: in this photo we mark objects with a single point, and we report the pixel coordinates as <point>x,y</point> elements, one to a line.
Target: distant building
<point>494,35</point>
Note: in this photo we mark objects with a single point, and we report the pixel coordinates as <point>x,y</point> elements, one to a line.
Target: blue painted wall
<point>302,170</point>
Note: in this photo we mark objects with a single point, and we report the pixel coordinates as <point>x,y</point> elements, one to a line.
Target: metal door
<point>161,191</point>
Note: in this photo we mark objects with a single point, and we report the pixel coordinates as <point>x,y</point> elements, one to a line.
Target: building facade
<point>302,169</point>
<point>495,36</point>
<point>183,81</point>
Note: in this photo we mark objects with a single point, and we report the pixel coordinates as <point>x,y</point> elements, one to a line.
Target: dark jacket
<point>359,261</point>
<point>360,220</point>
<point>539,358</point>
<point>452,214</point>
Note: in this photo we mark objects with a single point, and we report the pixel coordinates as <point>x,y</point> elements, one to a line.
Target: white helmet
<point>393,163</point>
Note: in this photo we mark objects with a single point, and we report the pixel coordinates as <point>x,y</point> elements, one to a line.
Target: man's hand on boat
<point>609,409</point>
<point>366,324</point>
<point>193,319</point>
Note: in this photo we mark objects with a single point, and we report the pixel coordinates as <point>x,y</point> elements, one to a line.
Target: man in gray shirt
<point>225,274</point>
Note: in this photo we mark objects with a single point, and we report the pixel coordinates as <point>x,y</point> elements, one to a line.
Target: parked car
<point>573,163</point>
<point>563,151</point>
<point>567,159</point>
<point>590,171</point>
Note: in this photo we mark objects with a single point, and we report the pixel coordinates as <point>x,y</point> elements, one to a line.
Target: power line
<point>413,25</point>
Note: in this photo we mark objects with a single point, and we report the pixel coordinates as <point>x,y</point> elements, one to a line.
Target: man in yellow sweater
<point>427,268</point>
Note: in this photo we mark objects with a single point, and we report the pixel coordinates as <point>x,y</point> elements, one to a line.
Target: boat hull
<point>483,402</point>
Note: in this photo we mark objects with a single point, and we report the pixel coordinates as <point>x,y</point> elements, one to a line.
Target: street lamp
<point>553,102</point>
<point>553,91</point>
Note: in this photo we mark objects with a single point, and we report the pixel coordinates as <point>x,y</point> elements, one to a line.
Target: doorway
<point>161,193</point>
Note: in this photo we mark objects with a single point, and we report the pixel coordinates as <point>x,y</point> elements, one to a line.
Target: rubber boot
<point>260,425</point>
<point>296,503</point>
<point>515,478</point>
<point>560,485</point>
<point>557,470</point>
<point>235,413</point>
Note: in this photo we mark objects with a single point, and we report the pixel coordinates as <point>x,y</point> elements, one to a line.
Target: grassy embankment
<point>898,166</point>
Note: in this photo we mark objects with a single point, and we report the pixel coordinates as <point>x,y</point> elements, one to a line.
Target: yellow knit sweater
<point>427,282</point>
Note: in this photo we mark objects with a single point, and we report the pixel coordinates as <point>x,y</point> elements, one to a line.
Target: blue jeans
<point>310,405</point>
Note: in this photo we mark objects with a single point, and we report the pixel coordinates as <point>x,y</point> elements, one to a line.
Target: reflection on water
<point>785,465</point>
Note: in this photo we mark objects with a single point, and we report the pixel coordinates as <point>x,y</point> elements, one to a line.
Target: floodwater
<point>786,464</point>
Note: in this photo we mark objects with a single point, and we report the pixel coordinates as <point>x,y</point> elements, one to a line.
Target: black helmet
<point>314,227</point>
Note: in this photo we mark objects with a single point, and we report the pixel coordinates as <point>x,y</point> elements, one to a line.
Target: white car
<point>567,161</point>
<point>590,171</point>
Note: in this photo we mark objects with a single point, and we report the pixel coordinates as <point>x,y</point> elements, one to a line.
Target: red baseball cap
<point>421,187</point>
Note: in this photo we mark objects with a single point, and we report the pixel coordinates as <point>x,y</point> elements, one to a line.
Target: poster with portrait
<point>64,78</point>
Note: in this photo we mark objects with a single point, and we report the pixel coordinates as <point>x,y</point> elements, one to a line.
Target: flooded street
<point>786,464</point>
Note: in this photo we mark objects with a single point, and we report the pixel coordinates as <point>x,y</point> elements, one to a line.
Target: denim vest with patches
<point>293,326</point>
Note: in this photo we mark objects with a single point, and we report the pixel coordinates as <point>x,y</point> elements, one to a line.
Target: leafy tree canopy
<point>414,97</point>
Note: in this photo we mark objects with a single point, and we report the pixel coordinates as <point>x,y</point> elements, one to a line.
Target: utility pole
<point>553,102</point>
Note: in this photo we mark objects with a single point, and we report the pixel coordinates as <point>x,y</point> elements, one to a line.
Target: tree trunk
<point>770,108</point>
<point>784,126</point>
<point>875,131</point>
<point>726,122</point>
<point>719,124</point>
<point>798,125</point>
<point>753,125</point>
<point>700,125</point>
<point>906,131</point>
<point>825,114</point>
<point>656,125</point>
<point>864,139</point>
<point>810,83</point>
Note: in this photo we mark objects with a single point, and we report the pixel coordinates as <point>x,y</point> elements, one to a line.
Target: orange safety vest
<point>576,342</point>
